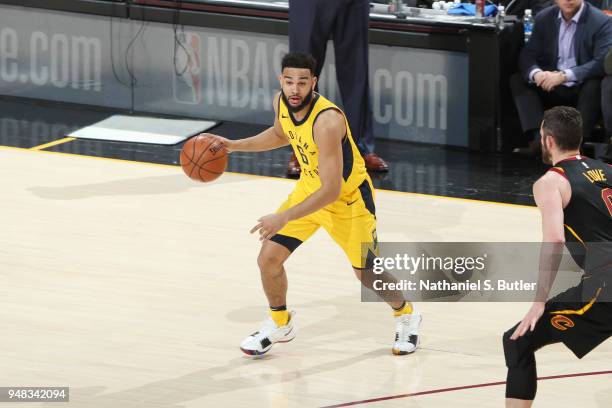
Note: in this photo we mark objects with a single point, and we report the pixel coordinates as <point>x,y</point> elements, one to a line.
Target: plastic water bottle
<point>397,7</point>
<point>480,6</point>
<point>501,13</point>
<point>528,24</point>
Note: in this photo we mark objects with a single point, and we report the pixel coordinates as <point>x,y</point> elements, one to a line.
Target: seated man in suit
<point>562,64</point>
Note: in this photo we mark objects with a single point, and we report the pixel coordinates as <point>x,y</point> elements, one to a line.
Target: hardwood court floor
<point>134,286</point>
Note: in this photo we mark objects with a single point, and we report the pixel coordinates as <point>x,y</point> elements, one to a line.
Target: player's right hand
<point>228,144</point>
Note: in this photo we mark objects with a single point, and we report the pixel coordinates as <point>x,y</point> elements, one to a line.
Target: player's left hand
<point>529,321</point>
<point>269,225</point>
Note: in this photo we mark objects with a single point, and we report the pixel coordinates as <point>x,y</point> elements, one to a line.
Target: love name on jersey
<point>595,175</point>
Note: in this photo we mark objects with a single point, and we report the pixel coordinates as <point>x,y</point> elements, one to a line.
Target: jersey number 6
<point>606,195</point>
<point>303,154</point>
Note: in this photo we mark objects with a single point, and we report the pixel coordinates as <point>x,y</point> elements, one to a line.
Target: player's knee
<point>519,352</point>
<point>521,382</point>
<point>509,349</point>
<point>365,276</point>
<point>269,262</point>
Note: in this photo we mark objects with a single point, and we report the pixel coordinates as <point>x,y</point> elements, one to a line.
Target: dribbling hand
<point>228,144</point>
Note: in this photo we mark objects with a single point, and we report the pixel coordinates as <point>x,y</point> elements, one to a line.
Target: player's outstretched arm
<point>270,139</point>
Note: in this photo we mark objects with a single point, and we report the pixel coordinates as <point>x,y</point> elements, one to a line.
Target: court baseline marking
<point>463,387</point>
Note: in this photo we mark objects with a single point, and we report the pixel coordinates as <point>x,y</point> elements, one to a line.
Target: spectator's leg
<point>589,105</point>
<point>311,24</point>
<point>528,103</point>
<point>351,51</point>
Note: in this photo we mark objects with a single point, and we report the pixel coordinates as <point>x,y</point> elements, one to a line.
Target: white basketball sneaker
<point>407,333</point>
<point>261,341</point>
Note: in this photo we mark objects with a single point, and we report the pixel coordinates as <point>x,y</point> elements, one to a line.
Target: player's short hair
<point>564,124</point>
<point>299,60</point>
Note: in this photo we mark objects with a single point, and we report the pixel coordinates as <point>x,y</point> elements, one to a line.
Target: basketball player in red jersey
<point>575,202</point>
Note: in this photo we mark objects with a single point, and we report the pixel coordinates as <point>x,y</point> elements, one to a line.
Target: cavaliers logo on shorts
<point>561,322</point>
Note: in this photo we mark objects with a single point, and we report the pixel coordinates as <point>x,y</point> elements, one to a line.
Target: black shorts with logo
<point>580,318</point>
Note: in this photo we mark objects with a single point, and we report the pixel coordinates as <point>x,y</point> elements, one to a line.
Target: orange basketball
<point>203,158</point>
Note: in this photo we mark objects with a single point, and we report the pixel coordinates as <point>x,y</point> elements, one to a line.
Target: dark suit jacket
<point>592,40</point>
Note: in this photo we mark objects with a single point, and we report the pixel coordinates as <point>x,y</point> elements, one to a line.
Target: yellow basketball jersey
<point>300,134</point>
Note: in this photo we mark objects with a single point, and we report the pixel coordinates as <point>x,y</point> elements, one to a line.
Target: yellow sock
<point>406,309</point>
<point>280,315</point>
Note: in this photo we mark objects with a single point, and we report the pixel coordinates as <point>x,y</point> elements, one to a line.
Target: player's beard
<point>294,109</point>
<point>546,156</point>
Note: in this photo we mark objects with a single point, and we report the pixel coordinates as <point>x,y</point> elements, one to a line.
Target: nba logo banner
<point>187,68</point>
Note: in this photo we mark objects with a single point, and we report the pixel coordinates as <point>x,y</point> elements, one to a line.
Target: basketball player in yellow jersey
<point>334,192</point>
